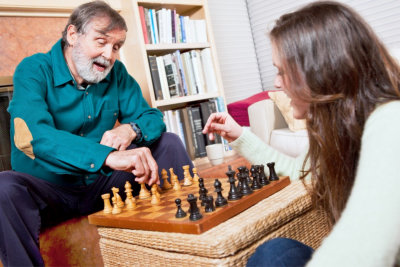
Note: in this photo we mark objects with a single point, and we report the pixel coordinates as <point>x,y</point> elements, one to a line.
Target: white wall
<point>239,53</point>
<point>235,47</point>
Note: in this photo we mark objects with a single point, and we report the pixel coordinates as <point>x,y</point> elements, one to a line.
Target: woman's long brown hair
<point>333,60</point>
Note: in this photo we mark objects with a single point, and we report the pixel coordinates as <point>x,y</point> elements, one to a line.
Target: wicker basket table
<point>287,213</point>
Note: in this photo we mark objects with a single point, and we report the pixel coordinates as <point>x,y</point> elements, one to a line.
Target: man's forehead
<point>103,25</point>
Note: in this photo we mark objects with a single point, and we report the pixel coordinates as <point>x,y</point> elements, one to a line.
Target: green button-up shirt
<point>56,127</point>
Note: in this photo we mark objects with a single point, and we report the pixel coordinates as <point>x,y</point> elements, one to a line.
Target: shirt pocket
<point>107,119</point>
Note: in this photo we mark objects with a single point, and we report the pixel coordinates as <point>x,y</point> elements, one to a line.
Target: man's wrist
<point>137,130</point>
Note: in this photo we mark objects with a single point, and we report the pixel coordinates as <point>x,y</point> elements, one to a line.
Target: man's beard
<point>85,68</point>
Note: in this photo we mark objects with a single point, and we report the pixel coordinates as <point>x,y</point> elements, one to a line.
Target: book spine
<point>183,30</point>
<point>190,148</point>
<point>173,25</point>
<point>196,116</point>
<point>163,78</point>
<point>181,72</point>
<point>155,77</point>
<point>143,23</point>
<point>148,25</point>
<point>192,126</point>
<point>169,72</point>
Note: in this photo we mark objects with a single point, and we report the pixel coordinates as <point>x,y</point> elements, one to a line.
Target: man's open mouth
<point>99,66</point>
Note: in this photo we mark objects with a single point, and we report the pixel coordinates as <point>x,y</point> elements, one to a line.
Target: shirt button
<point>115,114</point>
<point>89,117</point>
<point>86,177</point>
<point>87,93</point>
<point>81,134</point>
<point>92,165</point>
<point>145,136</point>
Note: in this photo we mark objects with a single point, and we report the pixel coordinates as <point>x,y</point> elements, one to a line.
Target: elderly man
<point>65,149</point>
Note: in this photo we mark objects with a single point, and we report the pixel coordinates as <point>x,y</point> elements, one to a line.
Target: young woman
<point>343,81</point>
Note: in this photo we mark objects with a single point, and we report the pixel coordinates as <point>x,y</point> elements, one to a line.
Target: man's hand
<point>139,161</point>
<point>119,138</point>
<point>224,125</point>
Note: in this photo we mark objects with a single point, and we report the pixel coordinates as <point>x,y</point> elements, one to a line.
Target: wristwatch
<point>137,130</point>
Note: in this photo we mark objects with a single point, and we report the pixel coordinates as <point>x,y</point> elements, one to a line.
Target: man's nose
<point>107,52</point>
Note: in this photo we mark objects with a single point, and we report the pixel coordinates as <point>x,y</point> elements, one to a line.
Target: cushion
<point>238,109</point>
<point>282,101</point>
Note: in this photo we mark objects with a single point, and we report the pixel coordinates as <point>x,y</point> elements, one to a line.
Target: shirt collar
<point>61,73</point>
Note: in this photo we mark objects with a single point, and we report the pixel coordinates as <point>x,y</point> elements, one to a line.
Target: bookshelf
<point>135,51</point>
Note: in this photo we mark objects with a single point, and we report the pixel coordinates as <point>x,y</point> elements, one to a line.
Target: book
<point>180,132</point>
<point>220,104</point>
<point>163,78</point>
<point>197,127</point>
<point>169,72</point>
<point>181,73</point>
<point>173,26</point>
<point>183,30</point>
<point>197,70</point>
<point>143,23</point>
<point>148,25</point>
<point>201,30</point>
<point>190,81</point>
<point>188,133</point>
<point>209,72</point>
<point>207,108</point>
<point>155,77</point>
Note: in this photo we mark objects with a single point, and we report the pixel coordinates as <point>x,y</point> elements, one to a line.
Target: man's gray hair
<point>83,15</point>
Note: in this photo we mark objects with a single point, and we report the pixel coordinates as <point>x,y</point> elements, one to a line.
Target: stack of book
<point>166,26</point>
<point>182,74</point>
<point>189,122</point>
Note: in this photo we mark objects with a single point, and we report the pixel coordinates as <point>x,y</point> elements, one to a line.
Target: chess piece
<point>177,185</point>
<point>239,176</point>
<point>171,173</point>
<point>144,193</point>
<point>201,183</point>
<point>164,176</point>
<point>130,201</point>
<point>107,203</point>
<point>247,175</point>
<point>194,210</point>
<point>245,188</point>
<point>156,190</point>
<point>203,195</point>
<point>180,213</point>
<point>155,199</point>
<point>272,173</point>
<point>118,198</point>
<point>234,193</point>
<point>263,179</point>
<point>220,200</point>
<point>195,176</point>
<point>186,172</point>
<point>209,207</point>
<point>254,173</point>
<point>115,209</point>
<point>187,180</point>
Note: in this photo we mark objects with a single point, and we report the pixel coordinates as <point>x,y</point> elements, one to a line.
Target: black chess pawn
<point>272,173</point>
<point>240,175</point>
<point>234,193</point>
<point>209,204</point>
<point>247,175</point>
<point>220,200</point>
<point>194,210</point>
<point>245,187</point>
<point>261,174</point>
<point>255,183</point>
<point>201,184</point>
<point>203,195</point>
<point>180,213</point>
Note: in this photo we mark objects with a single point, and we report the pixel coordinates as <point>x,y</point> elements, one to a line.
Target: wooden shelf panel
<point>183,99</point>
<point>154,48</point>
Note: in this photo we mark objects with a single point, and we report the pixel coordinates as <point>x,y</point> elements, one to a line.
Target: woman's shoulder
<point>385,112</point>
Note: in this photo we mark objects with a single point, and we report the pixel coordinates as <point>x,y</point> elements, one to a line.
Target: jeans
<point>281,252</point>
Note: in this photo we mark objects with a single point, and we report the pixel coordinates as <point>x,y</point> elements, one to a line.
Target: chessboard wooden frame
<point>184,225</point>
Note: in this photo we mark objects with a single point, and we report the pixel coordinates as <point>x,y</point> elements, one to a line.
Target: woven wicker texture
<point>229,237</point>
<point>309,228</point>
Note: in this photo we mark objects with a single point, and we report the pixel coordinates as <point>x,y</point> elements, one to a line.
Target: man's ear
<point>72,35</point>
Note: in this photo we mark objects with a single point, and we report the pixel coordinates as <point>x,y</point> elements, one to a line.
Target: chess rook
<point>272,173</point>
<point>107,203</point>
<point>194,210</point>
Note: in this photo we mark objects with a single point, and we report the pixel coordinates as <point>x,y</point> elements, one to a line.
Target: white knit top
<point>368,232</point>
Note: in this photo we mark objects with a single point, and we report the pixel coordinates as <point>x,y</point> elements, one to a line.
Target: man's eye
<point>116,47</point>
<point>101,41</point>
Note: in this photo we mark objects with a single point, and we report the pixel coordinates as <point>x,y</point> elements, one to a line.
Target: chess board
<point>161,217</point>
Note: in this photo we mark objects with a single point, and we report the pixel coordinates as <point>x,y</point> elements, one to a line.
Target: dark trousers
<point>281,252</point>
<point>28,204</point>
